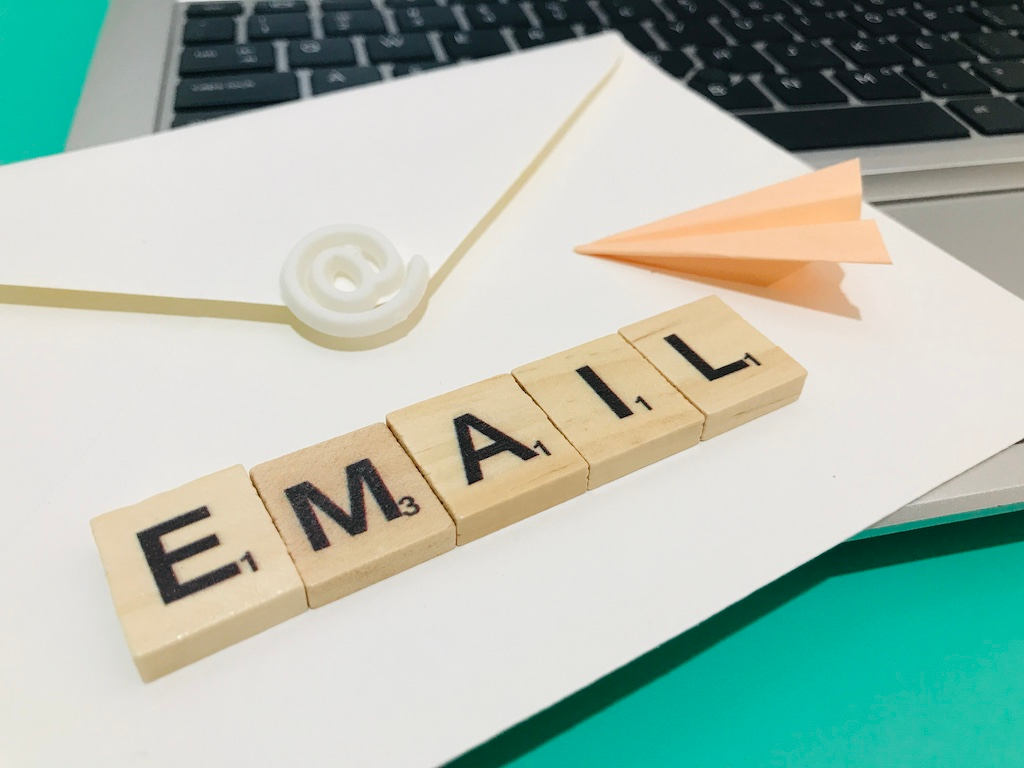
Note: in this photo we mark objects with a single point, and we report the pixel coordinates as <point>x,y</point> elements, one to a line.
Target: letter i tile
<point>619,412</point>
<point>490,454</point>
<point>353,511</point>
<point>195,570</point>
<point>720,363</point>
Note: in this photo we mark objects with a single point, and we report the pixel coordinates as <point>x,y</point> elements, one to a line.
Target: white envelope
<point>144,344</point>
<point>209,214</point>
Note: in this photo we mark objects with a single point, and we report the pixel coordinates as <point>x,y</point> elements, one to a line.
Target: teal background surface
<point>898,650</point>
<point>44,54</point>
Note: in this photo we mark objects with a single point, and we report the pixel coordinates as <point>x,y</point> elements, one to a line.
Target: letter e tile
<point>195,570</point>
<point>353,511</point>
<point>491,455</point>
<point>619,412</point>
<point>720,363</point>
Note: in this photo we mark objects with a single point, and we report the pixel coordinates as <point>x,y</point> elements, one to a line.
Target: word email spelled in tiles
<point>226,556</point>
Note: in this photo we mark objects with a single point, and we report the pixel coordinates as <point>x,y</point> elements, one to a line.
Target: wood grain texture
<point>724,366</point>
<point>512,462</point>
<point>195,570</point>
<point>377,515</point>
<point>613,406</point>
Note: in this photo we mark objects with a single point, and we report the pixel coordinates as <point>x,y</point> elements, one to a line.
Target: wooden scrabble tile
<point>195,570</point>
<point>613,406</point>
<point>490,454</point>
<point>725,367</point>
<point>353,511</point>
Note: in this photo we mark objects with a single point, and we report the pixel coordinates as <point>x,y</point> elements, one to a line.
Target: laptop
<point>924,92</point>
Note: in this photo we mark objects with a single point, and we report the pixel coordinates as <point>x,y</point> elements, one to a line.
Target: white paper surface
<point>914,375</point>
<point>199,214</point>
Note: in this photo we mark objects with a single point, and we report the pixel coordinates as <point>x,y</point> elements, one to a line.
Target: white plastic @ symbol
<point>370,262</point>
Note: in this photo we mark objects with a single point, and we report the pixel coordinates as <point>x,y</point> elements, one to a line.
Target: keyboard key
<point>216,29</point>
<point>735,59</point>
<point>803,57</point>
<point>411,47</point>
<point>803,90</point>
<point>473,45</point>
<point>201,60</point>
<point>346,5</point>
<point>325,80</point>
<point>749,29</point>
<point>819,26</point>
<point>332,52</point>
<point>946,20</point>
<point>426,18</point>
<point>818,6</point>
<point>279,25</point>
<point>938,49</point>
<point>413,67</point>
<point>528,38</point>
<point>553,13</point>
<point>711,75</point>
<point>946,80</point>
<point>396,4</point>
<point>882,23</point>
<point>881,5</point>
<point>493,16</point>
<point>213,9</point>
<point>688,32</point>
<point>877,52</point>
<point>692,9</point>
<point>999,17</point>
<point>637,37</point>
<point>202,115</point>
<point>757,7</point>
<point>735,96</point>
<point>858,126</point>
<point>996,45</point>
<point>1004,75</point>
<point>676,63</point>
<point>990,115</point>
<point>877,85</point>
<point>234,90</point>
<point>345,23</point>
<point>630,11</point>
<point>282,6</point>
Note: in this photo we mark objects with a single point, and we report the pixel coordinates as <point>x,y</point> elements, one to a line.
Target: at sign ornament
<point>385,290</point>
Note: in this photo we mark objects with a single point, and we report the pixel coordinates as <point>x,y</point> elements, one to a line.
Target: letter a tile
<point>195,570</point>
<point>490,454</point>
<point>720,363</point>
<point>619,412</point>
<point>353,511</point>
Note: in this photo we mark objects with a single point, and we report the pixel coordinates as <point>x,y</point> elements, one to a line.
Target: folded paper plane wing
<point>760,236</point>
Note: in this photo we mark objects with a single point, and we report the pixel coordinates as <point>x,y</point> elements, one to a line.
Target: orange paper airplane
<point>761,236</point>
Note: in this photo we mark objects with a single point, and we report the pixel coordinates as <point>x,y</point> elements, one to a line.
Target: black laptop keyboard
<point>809,74</point>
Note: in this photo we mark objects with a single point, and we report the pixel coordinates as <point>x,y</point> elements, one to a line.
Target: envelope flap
<point>212,211</point>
